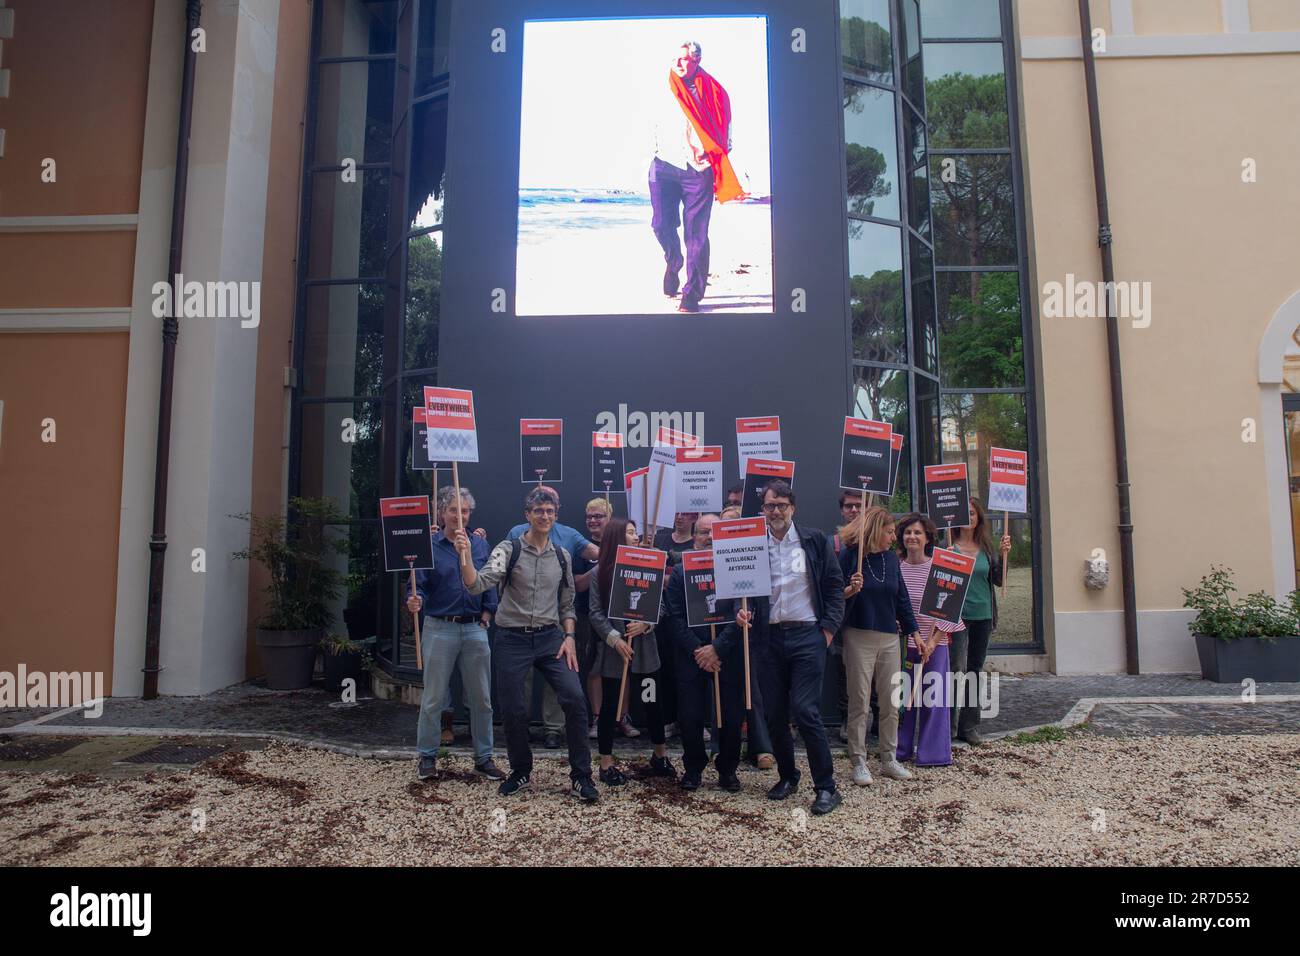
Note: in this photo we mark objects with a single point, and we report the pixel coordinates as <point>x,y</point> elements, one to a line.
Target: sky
<point>591,87</point>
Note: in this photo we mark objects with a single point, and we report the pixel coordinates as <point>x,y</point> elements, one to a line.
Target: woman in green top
<point>979,614</point>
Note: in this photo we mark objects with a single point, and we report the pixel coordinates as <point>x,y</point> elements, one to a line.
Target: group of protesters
<point>546,589</point>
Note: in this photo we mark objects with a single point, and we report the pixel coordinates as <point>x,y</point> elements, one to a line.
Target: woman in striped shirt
<point>929,649</point>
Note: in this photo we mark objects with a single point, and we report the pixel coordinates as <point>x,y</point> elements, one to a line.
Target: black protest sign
<point>947,495</point>
<point>606,462</point>
<point>946,584</point>
<point>865,455</point>
<point>701,595</point>
<point>638,584</point>
<point>407,530</point>
<point>541,449</point>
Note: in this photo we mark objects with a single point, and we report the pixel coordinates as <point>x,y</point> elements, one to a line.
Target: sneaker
<point>489,769</point>
<point>662,767</point>
<point>428,769</point>
<point>585,790</point>
<point>891,768</point>
<point>765,762</point>
<point>594,731</point>
<point>611,776</point>
<point>513,784</point>
<point>552,740</point>
<point>973,737</point>
<point>626,729</point>
<point>959,744</point>
<point>861,775</point>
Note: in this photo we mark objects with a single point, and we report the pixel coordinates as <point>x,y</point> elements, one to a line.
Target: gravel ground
<point>1091,800</point>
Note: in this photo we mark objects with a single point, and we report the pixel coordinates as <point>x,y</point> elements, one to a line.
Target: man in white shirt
<point>682,171</point>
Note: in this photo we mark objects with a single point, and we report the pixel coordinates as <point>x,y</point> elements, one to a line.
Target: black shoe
<point>690,782</point>
<point>688,305</point>
<point>428,769</point>
<point>489,769</point>
<point>552,741</point>
<point>611,776</point>
<point>827,800</point>
<point>513,784</point>
<point>662,767</point>
<point>671,283</point>
<point>783,789</point>
<point>730,783</point>
<point>585,790</point>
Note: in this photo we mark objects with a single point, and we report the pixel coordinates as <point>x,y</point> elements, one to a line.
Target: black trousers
<point>516,653</point>
<point>695,710</point>
<point>605,720</point>
<point>791,666</point>
<point>671,188</point>
<point>977,649</point>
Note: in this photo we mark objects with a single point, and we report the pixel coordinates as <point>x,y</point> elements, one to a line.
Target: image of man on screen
<point>690,168</point>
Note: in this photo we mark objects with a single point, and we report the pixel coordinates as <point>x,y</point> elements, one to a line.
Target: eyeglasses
<point>781,506</point>
<point>544,512</point>
<point>597,517</point>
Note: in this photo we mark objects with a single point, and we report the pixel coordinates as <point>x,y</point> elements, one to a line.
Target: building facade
<point>940,212</point>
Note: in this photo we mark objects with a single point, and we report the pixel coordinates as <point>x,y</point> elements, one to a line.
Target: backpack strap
<point>516,546</point>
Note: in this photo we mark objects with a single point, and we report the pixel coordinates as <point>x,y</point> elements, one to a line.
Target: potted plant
<point>298,552</point>
<point>345,658</point>
<point>1254,637</point>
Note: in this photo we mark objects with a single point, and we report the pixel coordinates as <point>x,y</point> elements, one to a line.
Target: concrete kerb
<point>39,726</point>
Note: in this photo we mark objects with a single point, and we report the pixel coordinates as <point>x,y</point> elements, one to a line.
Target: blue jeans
<point>444,643</point>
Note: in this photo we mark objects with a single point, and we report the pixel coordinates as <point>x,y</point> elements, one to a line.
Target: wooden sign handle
<point>460,521</point>
<point>622,686</point>
<point>862,529</point>
<point>1006,529</point>
<point>419,655</point>
<point>749,704</point>
<point>717,683</point>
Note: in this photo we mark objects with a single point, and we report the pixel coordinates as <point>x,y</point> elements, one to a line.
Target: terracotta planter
<point>288,657</point>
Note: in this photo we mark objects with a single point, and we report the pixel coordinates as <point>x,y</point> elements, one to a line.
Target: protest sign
<point>701,601</point>
<point>541,450</point>
<point>947,495</point>
<point>946,584</point>
<point>865,455</point>
<point>1008,480</point>
<point>606,462</point>
<point>638,584</point>
<point>758,438</point>
<point>406,531</point>
<point>449,419</point>
<point>740,561</point>
<point>699,478</point>
<point>758,472</point>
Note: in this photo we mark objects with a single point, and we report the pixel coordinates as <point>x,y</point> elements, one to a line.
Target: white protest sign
<point>740,561</point>
<point>758,438</point>
<point>699,478</point>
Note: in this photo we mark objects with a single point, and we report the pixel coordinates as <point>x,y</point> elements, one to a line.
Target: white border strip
<point>65,320</point>
<point>1084,707</point>
<point>1236,16</point>
<point>124,222</point>
<point>1120,47</point>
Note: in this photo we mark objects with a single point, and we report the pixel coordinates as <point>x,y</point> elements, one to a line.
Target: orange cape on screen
<point>711,116</point>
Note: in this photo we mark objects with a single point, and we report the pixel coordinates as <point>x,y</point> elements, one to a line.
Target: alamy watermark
<point>1083,299</point>
<point>209,300</point>
<point>640,428</point>
<point>53,689</point>
<point>948,689</point>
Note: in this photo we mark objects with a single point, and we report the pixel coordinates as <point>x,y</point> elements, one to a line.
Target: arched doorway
<point>1279,431</point>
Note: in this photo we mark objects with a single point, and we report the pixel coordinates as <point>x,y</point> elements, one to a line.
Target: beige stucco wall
<point>1221,256</point>
<point>1274,15</point>
<point>1177,16</point>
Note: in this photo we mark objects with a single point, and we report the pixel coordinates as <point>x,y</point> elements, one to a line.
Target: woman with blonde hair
<point>877,608</point>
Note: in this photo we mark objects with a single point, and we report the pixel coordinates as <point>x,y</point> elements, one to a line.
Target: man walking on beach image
<point>692,137</point>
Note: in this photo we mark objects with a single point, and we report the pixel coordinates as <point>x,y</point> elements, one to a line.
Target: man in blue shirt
<point>454,632</point>
<point>575,542</point>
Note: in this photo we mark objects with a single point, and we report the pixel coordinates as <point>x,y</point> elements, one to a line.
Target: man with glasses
<point>535,631</point>
<point>572,541</point>
<point>789,634</point>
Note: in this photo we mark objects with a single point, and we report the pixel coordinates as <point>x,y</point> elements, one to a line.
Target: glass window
<point>428,163</point>
<point>358,27</point>
<point>423,298</point>
<point>354,112</point>
<point>864,39</point>
<point>876,292</point>
<point>913,80</point>
<point>918,201</point>
<point>972,424</point>
<point>927,422</point>
<point>341,451</point>
<point>349,225</point>
<point>343,340</point>
<point>433,51</point>
<point>925,344</point>
<point>1016,604</point>
<point>880,394</point>
<point>966,95</point>
<point>365,580</point>
<point>973,203</point>
<point>980,332</point>
<point>871,151</point>
<point>960,18</point>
